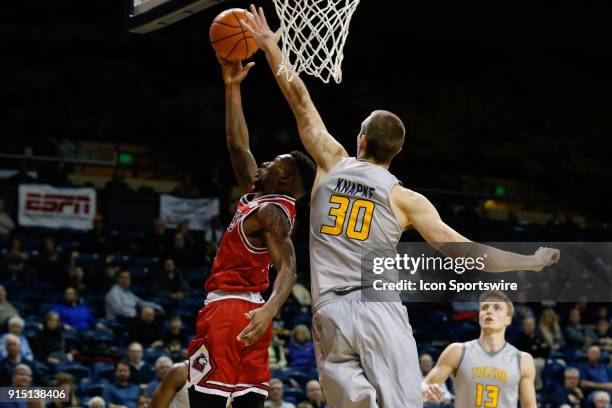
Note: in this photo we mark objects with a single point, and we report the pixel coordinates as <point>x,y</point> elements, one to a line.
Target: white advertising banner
<point>196,211</point>
<point>51,207</point>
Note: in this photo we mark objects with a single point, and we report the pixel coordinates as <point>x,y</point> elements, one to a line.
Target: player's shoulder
<point>526,362</point>
<point>453,353</point>
<point>271,214</point>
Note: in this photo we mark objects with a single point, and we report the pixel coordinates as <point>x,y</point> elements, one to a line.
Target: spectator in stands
<point>7,310</point>
<point>186,189</point>
<point>15,327</point>
<point>550,329</point>
<point>121,392</point>
<point>426,363</point>
<point>117,183</point>
<point>49,344</point>
<point>144,401</point>
<point>593,374</point>
<point>601,399</point>
<point>570,393</point>
<point>22,378</point>
<point>604,336</point>
<point>49,263</point>
<point>156,241</point>
<point>179,252</point>
<point>191,243</point>
<point>6,222</point>
<point>76,279</point>
<point>314,394</point>
<point>275,395</point>
<point>73,313</point>
<point>121,302</point>
<point>301,349</point>
<point>104,277</point>
<point>12,360</point>
<point>577,336</point>
<point>96,402</point>
<point>162,365</point>
<point>171,282</point>
<point>97,240</point>
<point>276,353</point>
<point>66,382</point>
<point>530,341</point>
<point>175,338</point>
<point>146,330</point>
<point>140,372</point>
<point>16,262</point>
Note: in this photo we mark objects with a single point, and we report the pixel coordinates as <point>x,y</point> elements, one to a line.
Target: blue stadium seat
<point>78,371</point>
<point>90,388</point>
<point>151,354</point>
<point>101,367</point>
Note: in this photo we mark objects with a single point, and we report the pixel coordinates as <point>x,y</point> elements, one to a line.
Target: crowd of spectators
<point>107,324</point>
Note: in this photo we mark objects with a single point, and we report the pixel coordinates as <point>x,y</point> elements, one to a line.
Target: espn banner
<point>51,207</point>
<point>196,211</point>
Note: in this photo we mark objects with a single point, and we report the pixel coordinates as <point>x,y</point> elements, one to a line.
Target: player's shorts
<point>366,354</point>
<point>218,363</point>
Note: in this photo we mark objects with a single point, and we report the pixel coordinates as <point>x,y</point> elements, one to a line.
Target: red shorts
<point>218,363</point>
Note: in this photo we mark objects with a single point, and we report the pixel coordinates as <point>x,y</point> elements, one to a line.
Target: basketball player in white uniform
<point>366,354</point>
<point>488,372</point>
<point>172,392</point>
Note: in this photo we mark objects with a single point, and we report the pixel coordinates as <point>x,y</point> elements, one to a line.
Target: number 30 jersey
<point>487,379</point>
<point>349,213</point>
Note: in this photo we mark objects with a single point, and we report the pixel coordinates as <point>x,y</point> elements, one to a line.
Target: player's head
<point>291,174</point>
<point>496,311</point>
<point>381,137</point>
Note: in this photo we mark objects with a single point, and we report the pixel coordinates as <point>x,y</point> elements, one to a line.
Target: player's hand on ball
<point>433,392</point>
<point>546,257</point>
<point>260,320</point>
<point>258,27</point>
<point>233,72</point>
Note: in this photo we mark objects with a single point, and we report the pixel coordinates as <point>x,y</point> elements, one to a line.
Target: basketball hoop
<point>313,35</point>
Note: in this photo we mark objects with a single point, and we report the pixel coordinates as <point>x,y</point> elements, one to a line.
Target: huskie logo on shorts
<point>199,365</point>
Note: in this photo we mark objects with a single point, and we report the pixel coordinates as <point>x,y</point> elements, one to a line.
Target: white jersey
<point>350,209</point>
<point>487,379</point>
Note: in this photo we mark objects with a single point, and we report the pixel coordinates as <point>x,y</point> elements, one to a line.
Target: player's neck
<point>371,161</point>
<point>492,341</point>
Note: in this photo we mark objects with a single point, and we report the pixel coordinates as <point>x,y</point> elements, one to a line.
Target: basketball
<point>230,41</point>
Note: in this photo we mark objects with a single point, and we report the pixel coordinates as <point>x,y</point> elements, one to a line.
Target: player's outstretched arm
<point>172,382</point>
<point>237,133</point>
<point>447,364</point>
<point>414,209</point>
<point>527,392</point>
<point>275,228</point>
<point>325,150</point>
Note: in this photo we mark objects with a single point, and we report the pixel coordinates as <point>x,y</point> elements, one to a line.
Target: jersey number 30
<point>360,210</point>
<point>491,393</point>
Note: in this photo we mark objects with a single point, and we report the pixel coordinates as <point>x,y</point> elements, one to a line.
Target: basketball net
<point>313,36</point>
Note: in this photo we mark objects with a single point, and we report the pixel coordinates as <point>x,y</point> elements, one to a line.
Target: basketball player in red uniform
<point>229,356</point>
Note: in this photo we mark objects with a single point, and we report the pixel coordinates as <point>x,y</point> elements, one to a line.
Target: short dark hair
<point>306,170</point>
<point>122,361</point>
<point>384,132</point>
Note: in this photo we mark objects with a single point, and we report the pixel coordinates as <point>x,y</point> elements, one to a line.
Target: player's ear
<point>362,142</point>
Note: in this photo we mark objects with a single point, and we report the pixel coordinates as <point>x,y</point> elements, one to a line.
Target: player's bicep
<point>527,392</point>
<point>276,228</point>
<point>423,216</point>
<point>447,363</point>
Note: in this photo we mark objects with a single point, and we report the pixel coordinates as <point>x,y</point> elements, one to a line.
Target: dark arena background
<point>507,106</point>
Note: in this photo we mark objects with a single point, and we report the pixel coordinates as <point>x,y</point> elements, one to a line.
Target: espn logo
<point>56,203</point>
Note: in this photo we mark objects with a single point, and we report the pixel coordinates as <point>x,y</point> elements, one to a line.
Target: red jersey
<point>240,266</point>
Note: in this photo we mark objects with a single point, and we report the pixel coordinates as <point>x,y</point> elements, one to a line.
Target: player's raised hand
<point>546,257</point>
<point>260,320</point>
<point>233,72</point>
<point>257,25</point>
<point>433,392</point>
